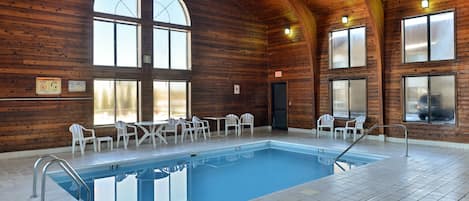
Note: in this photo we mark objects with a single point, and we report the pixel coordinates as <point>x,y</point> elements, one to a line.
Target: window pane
<point>126,186</point>
<point>160,100</point>
<point>161,48</point>
<point>358,47</point>
<point>104,189</point>
<point>340,98</point>
<point>103,102</point>
<point>340,49</point>
<point>442,36</point>
<point>442,99</point>
<point>170,11</point>
<point>126,45</point>
<point>416,98</point>
<point>126,96</point>
<point>178,99</point>
<point>103,43</point>
<point>416,40</point>
<point>117,7</point>
<point>357,98</point>
<point>178,50</point>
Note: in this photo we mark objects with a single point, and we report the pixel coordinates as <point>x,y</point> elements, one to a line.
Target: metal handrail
<point>66,167</point>
<point>368,131</point>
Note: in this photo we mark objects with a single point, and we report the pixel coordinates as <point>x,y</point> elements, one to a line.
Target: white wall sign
<point>76,86</point>
<point>236,89</point>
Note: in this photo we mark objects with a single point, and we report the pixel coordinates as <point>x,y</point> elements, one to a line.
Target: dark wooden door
<point>279,106</point>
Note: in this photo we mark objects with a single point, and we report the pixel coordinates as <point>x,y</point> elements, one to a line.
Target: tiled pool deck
<point>430,173</point>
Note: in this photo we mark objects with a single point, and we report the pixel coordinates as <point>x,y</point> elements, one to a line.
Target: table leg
<point>157,132</point>
<point>147,134</point>
<point>218,127</point>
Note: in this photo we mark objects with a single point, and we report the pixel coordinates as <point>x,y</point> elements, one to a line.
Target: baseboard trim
<point>35,152</point>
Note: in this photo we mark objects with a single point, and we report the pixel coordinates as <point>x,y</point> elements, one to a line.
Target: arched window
<point>171,35</point>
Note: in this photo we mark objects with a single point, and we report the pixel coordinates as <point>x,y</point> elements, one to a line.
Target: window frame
<point>331,94</point>
<point>331,56</point>
<point>119,19</point>
<point>429,121</point>
<point>175,27</point>
<point>188,96</point>
<point>139,99</point>
<point>429,48</point>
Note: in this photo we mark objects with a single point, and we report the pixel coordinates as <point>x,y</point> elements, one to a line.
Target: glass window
<point>430,99</point>
<point>418,47</point>
<point>348,48</point>
<point>358,47</point>
<point>114,101</point>
<point>170,99</point>
<point>126,101</point>
<point>161,48</point>
<point>126,45</point>
<point>170,11</point>
<point>349,98</point>
<point>160,100</point>
<point>178,50</point>
<point>128,8</point>
<point>103,43</point>
<point>442,36</point>
<point>104,102</point>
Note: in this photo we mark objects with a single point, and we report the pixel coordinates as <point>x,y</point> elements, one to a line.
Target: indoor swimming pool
<point>235,173</point>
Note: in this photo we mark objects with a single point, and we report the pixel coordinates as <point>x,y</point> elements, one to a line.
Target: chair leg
<point>354,134</point>
<point>73,147</point>
<point>175,137</point>
<point>94,144</point>
<point>82,146</point>
<point>126,141</point>
<point>118,139</point>
<point>136,140</point>
<point>182,136</point>
<point>252,129</point>
<point>192,138</point>
<point>226,130</point>
<point>205,136</point>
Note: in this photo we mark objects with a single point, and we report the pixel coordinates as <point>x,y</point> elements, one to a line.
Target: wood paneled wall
<point>52,39</point>
<point>331,21</point>
<point>394,69</point>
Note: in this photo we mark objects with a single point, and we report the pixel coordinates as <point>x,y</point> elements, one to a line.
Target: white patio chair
<point>171,127</point>
<point>201,126</point>
<point>325,121</point>
<point>231,121</point>
<point>78,137</point>
<point>186,128</point>
<point>358,126</point>
<point>247,119</point>
<point>123,133</point>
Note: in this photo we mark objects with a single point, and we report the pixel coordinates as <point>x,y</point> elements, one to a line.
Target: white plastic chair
<point>123,133</point>
<point>78,137</point>
<point>247,119</point>
<point>359,126</point>
<point>186,128</point>
<point>171,127</point>
<point>231,121</point>
<point>201,126</point>
<point>325,121</point>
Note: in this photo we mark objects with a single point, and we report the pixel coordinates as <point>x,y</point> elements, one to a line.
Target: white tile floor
<point>430,173</point>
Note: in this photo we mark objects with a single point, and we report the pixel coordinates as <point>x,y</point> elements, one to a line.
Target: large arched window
<point>171,35</point>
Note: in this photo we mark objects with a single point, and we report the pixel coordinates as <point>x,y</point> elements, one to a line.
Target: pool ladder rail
<point>368,131</point>
<point>66,167</point>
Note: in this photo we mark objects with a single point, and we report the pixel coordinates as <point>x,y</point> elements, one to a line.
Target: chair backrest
<point>359,122</point>
<point>231,119</point>
<point>121,128</point>
<point>326,119</point>
<point>247,118</point>
<point>195,118</point>
<point>184,124</point>
<point>76,130</point>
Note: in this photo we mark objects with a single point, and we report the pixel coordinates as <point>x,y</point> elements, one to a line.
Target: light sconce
<point>344,19</point>
<point>287,30</point>
<point>425,3</point>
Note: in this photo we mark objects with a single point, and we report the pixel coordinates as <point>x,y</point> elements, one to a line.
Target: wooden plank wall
<point>331,21</point>
<point>52,39</point>
<point>395,10</point>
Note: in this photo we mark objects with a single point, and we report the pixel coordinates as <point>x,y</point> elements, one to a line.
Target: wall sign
<point>278,73</point>
<point>236,89</point>
<point>48,86</point>
<point>76,86</point>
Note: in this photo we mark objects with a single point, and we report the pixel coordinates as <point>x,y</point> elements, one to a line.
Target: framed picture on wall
<point>48,85</point>
<point>76,86</point>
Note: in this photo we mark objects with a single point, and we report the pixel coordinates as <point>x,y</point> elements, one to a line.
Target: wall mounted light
<point>344,19</point>
<point>425,3</point>
<point>287,30</point>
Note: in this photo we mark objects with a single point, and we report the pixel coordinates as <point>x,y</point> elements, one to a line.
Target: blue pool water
<point>233,174</point>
